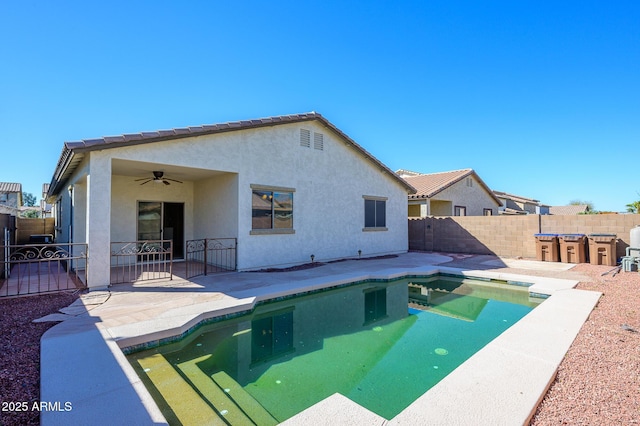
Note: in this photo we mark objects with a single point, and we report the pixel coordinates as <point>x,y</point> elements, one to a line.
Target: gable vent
<point>318,141</point>
<point>305,138</point>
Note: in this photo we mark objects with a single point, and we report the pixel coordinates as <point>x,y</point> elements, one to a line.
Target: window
<point>375,213</point>
<point>459,211</point>
<point>487,212</point>
<point>469,182</point>
<point>4,198</point>
<point>272,209</point>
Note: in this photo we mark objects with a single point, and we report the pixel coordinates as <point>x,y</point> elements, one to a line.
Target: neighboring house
<point>453,193</point>
<point>45,208</point>
<point>285,187</point>
<point>10,198</point>
<point>515,204</point>
<point>569,210</point>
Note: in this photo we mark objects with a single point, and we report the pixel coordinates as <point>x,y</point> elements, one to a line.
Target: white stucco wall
<point>328,200</point>
<point>215,215</point>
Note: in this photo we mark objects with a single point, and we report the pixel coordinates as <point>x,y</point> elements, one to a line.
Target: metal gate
<point>210,255</point>
<point>41,268</point>
<point>141,261</point>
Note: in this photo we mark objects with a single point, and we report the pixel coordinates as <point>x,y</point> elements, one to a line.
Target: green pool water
<point>381,344</point>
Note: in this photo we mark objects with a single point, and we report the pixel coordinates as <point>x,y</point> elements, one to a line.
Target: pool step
<point>244,400</point>
<point>213,393</point>
<point>185,402</point>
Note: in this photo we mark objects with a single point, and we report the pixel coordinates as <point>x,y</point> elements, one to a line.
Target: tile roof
<point>510,211</point>
<point>569,210</point>
<point>516,198</point>
<point>405,173</point>
<point>10,187</point>
<point>428,185</point>
<point>72,152</point>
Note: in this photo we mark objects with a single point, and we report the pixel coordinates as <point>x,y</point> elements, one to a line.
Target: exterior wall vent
<point>305,138</point>
<point>318,141</point>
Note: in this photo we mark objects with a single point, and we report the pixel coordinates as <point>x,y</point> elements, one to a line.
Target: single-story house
<point>515,204</point>
<point>285,187</point>
<point>452,193</point>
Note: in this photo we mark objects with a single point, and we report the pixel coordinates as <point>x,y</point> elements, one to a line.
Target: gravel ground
<point>20,354</point>
<point>598,383</point>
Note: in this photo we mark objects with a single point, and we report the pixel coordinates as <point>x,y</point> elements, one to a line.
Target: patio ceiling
<point>140,169</point>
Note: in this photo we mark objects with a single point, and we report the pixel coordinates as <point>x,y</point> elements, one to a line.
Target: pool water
<point>381,344</point>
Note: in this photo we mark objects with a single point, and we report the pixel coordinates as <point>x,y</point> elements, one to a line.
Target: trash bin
<point>572,248</point>
<point>602,249</point>
<point>547,247</point>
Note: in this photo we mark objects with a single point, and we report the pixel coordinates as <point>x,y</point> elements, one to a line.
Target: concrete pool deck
<point>82,362</point>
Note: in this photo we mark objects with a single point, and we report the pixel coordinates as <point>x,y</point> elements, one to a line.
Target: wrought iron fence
<point>210,255</point>
<point>141,260</point>
<point>42,268</point>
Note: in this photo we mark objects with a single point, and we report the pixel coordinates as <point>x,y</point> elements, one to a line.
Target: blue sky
<point>540,98</point>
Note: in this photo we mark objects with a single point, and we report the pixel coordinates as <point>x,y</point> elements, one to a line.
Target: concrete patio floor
<point>82,360</point>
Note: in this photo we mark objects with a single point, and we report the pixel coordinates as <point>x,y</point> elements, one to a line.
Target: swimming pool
<point>359,340</point>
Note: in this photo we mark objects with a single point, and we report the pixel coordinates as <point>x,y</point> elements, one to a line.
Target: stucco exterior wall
<point>215,215</point>
<point>473,197</point>
<point>441,208</point>
<point>328,212</point>
<point>328,204</point>
<point>10,199</point>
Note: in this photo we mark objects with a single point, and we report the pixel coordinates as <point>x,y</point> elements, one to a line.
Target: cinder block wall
<point>619,224</point>
<point>511,236</point>
<point>26,227</point>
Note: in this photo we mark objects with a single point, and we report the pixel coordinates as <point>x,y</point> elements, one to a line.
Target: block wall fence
<point>26,227</point>
<point>511,236</point>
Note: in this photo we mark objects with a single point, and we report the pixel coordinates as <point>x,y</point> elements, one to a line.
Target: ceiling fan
<point>158,177</point>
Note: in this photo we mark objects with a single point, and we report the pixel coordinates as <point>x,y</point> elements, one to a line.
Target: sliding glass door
<point>158,220</point>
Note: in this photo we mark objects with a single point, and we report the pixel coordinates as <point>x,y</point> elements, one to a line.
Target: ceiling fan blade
<point>146,181</point>
<point>173,180</point>
<point>165,182</point>
<point>136,180</point>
